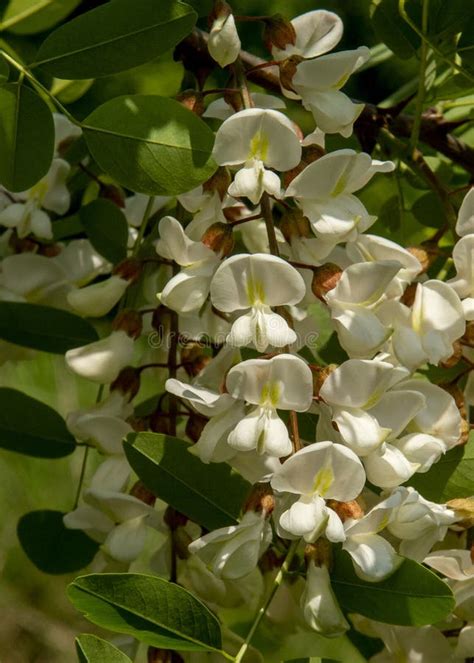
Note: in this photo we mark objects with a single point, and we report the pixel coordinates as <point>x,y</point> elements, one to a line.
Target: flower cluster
<point>231,278</point>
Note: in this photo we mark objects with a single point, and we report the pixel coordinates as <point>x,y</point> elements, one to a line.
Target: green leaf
<point>42,433</point>
<point>43,327</point>
<point>26,137</point>
<point>107,229</point>
<point>51,546</point>
<point>428,211</point>
<point>150,144</point>
<point>465,45</point>
<point>91,649</point>
<point>68,226</point>
<point>27,17</point>
<point>211,495</point>
<point>4,70</point>
<point>390,27</point>
<point>412,596</point>
<point>114,37</point>
<point>67,92</point>
<point>451,477</point>
<point>149,608</point>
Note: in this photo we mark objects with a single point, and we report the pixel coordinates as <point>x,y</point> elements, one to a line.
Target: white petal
<point>98,299</point>
<point>262,430</point>
<point>175,245</point>
<point>205,401</point>
<point>364,283</point>
<point>224,43</point>
<point>306,517</point>
<point>389,468</point>
<point>103,360</point>
<point>374,558</point>
<point>188,290</point>
<point>465,222</point>
<point>320,607</point>
<point>333,111</point>
<point>317,32</point>
<point>329,71</point>
<point>360,430</point>
<point>212,446</point>
<point>360,332</point>
<point>421,449</point>
<point>127,540</point>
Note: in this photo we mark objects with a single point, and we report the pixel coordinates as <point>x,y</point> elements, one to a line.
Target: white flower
<point>411,645</point>
<point>465,222</point>
<point>318,82</point>
<point>103,424</point>
<point>317,32</point>
<point>427,331</point>
<point>354,304</point>
<point>284,383</point>
<point>257,138</point>
<point>320,607</point>
<point>324,191</point>
<point>64,130</point>
<point>224,43</point>
<point>233,552</point>
<point>206,207</point>
<point>463,283</point>
<point>257,282</point>
<point>33,278</point>
<point>373,556</point>
<point>419,523</point>
<point>81,262</point>
<point>221,110</point>
<point>102,360</point>
<point>320,471</point>
<point>98,299</point>
<point>188,290</point>
<point>136,205</point>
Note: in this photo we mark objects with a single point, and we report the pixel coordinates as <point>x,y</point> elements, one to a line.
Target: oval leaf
<point>211,495</point>
<point>107,229</point>
<point>91,649</point>
<point>114,37</point>
<point>412,596</point>
<point>43,327</point>
<point>51,546</point>
<point>150,144</point>
<point>26,17</point>
<point>150,609</point>
<point>42,433</point>
<point>451,477</point>
<point>26,138</point>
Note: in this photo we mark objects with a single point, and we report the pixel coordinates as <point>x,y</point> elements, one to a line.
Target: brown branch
<point>434,131</point>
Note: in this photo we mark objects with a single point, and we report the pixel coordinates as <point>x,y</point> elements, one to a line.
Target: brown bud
<point>294,224</point>
<point>221,9</point>
<point>464,510</point>
<point>139,424</point>
<point>279,32</point>
<point>319,552</point>
<point>468,338</point>
<point>320,373</point>
<point>219,182</point>
<point>130,322</point>
<point>49,250</point>
<point>163,656</point>
<point>288,70</point>
<point>219,238</point>
<point>113,193</point>
<point>234,99</point>
<point>325,278</point>
<point>455,358</point>
<point>141,492</point>
<point>160,423</point>
<point>193,358</point>
<point>346,510</point>
<point>192,100</point>
<point>127,382</point>
<point>260,499</point>
<point>129,269</point>
<point>408,296</point>
<point>158,319</point>
<point>426,254</point>
<point>174,519</point>
<point>194,426</point>
<point>24,245</point>
<point>193,53</point>
<point>270,560</point>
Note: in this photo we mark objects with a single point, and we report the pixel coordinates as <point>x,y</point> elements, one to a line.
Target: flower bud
<point>193,358</point>
<point>130,322</point>
<point>113,193</point>
<point>319,553</point>
<point>163,656</point>
<point>141,492</point>
<point>320,607</point>
<point>158,319</point>
<point>194,55</point>
<point>288,70</point>
<point>192,100</point>
<point>320,373</point>
<point>129,269</point>
<point>127,382</point>
<point>174,519</point>
<point>293,223</point>
<point>23,245</point>
<point>464,510</point>
<point>160,423</point>
<point>98,299</point>
<point>346,510</point>
<point>219,238</point>
<point>223,43</point>
<point>279,32</point>
<point>102,360</point>
<point>234,100</point>
<point>219,182</point>
<point>408,296</point>
<point>49,250</point>
<point>261,499</point>
<point>194,426</point>
<point>425,254</point>
<point>325,278</point>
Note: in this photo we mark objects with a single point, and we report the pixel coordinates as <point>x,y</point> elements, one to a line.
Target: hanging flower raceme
<point>318,472</point>
<point>188,290</point>
<point>257,282</point>
<point>325,192</point>
<point>259,139</point>
<point>282,383</point>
